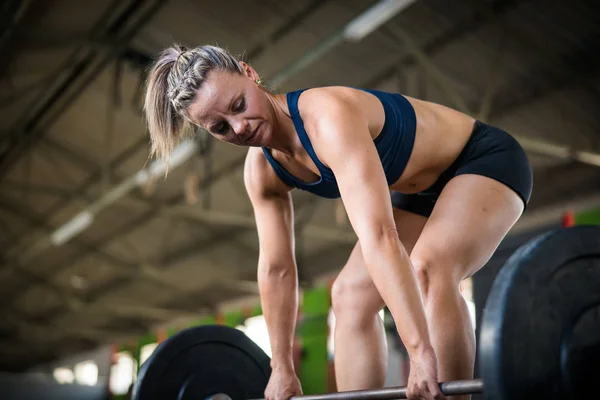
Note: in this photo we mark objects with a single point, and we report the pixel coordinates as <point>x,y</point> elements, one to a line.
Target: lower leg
<point>360,352</point>
<point>451,333</point>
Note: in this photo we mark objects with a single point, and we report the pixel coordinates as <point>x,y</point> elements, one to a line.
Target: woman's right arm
<point>277,273</point>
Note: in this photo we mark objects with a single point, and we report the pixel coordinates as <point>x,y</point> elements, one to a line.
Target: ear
<point>249,71</point>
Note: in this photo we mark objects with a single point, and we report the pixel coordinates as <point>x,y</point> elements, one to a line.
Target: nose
<point>240,127</point>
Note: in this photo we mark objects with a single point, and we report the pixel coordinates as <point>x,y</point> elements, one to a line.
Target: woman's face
<point>233,108</point>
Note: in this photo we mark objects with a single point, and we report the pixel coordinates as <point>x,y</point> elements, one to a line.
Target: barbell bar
<point>539,337</point>
<point>452,388</point>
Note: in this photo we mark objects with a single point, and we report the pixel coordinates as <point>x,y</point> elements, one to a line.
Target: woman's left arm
<point>342,140</point>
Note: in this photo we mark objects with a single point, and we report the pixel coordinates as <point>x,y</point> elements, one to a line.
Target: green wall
<point>590,217</point>
<point>312,330</point>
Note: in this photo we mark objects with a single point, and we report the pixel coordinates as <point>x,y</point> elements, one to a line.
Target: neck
<point>284,137</point>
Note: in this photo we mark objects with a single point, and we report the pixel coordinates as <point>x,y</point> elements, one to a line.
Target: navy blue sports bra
<point>394,144</point>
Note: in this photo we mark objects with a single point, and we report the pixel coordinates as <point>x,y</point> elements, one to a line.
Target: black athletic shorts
<point>490,152</point>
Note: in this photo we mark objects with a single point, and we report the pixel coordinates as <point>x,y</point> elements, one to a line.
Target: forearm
<point>278,288</point>
<point>390,269</point>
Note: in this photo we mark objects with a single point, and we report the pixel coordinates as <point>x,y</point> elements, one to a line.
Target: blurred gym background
<point>102,258</point>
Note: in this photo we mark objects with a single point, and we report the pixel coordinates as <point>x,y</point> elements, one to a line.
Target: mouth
<point>250,139</point>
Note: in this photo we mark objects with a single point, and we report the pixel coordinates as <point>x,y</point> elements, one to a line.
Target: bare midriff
<point>441,135</point>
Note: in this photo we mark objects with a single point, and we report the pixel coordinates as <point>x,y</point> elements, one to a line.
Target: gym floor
<point>97,268</point>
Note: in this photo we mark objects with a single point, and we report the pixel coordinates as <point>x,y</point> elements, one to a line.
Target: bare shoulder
<point>323,100</point>
<point>259,177</point>
<point>333,114</point>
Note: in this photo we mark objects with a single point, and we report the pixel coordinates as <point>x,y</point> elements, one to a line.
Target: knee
<point>344,296</point>
<point>354,300</point>
<point>434,276</point>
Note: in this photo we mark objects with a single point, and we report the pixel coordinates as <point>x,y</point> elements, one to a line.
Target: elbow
<point>274,279</point>
<point>379,239</point>
<point>380,234</point>
<point>269,272</point>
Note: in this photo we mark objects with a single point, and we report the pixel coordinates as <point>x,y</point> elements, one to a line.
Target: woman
<point>457,186</point>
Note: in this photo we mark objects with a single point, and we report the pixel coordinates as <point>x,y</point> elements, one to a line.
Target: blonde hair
<point>171,87</point>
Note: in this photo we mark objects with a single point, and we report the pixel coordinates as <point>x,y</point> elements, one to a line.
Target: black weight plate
<point>201,361</point>
<point>540,324</point>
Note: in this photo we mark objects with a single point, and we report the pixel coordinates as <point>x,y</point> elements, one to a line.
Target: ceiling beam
<point>51,105</point>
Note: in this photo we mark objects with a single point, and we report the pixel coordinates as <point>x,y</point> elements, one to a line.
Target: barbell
<point>539,337</point>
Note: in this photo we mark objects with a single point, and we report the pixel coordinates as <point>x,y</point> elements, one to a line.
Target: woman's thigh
<point>471,217</point>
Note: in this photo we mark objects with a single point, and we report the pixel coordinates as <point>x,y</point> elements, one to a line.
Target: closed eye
<point>220,128</point>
